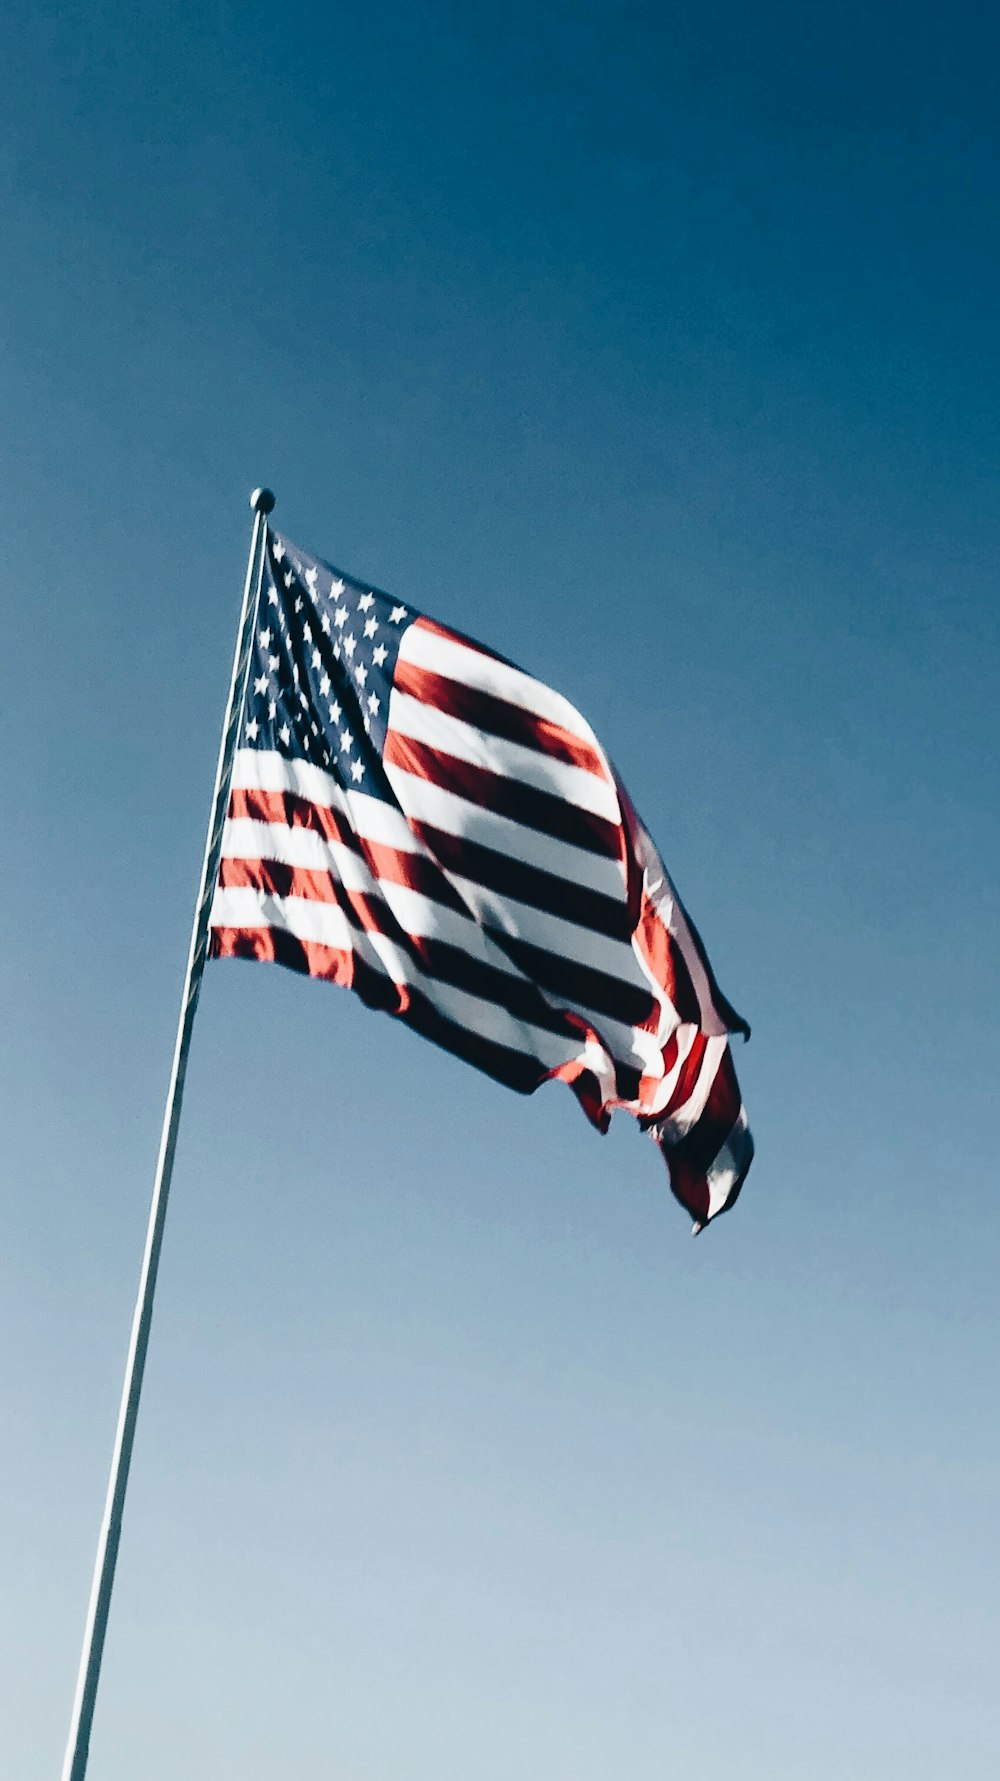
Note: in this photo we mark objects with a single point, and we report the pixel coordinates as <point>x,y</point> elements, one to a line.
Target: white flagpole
<point>78,1746</point>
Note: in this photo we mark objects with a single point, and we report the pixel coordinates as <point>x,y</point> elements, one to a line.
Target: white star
<point>324,685</point>
<point>396,614</point>
<point>379,655</point>
<point>334,712</point>
<point>325,622</point>
<point>373,704</point>
<point>346,741</point>
<point>311,580</point>
<point>350,644</point>
<point>260,684</point>
<point>288,578</point>
<point>307,635</point>
<point>340,617</point>
<point>371,626</point>
<point>361,674</point>
<point>303,701</point>
<point>357,771</point>
<point>336,588</point>
<point>272,710</point>
<point>273,662</point>
<point>285,734</point>
<point>272,596</point>
<point>298,602</point>
<point>252,728</point>
<point>265,639</point>
<point>336,651</point>
<point>365,601</point>
<point>279,550</point>
<point>316,658</point>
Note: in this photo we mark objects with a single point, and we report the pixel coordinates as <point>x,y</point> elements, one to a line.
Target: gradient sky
<point>657,346</point>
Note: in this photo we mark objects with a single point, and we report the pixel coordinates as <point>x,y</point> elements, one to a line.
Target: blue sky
<point>656,346</point>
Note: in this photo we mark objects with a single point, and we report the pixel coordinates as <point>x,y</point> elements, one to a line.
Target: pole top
<point>262,501</point>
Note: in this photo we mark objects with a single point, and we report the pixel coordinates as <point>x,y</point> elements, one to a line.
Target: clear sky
<point>657,346</point>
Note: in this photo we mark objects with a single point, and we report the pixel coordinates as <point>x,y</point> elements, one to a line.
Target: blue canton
<point>321,667</point>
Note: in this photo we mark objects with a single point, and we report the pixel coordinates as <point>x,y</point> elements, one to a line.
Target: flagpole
<point>78,1745</point>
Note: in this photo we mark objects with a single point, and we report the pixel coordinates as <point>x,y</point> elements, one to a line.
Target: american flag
<point>415,818</point>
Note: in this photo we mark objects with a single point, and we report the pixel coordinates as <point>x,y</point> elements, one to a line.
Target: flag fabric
<point>415,818</point>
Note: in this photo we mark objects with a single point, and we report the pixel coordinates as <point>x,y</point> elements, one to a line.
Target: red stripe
<point>587,1090</point>
<point>649,1084</point>
<point>646,923</point>
<point>397,865</point>
<point>690,1159</point>
<point>410,1005</point>
<point>528,884</point>
<point>448,853</point>
<point>687,1079</point>
<point>513,1068</point>
<point>733,1022</point>
<point>431,957</point>
<point>551,975</point>
<point>576,985</point>
<point>485,711</point>
<point>274,946</point>
<point>666,962</point>
<point>416,871</point>
<point>573,984</point>
<point>292,812</point>
<point>364,908</point>
<point>278,879</point>
<point>524,804</point>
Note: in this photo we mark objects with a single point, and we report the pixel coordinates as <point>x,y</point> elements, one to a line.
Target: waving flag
<point>415,818</point>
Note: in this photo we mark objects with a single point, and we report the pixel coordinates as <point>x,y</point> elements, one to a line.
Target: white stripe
<point>512,760</point>
<point>375,820</point>
<point>461,662</point>
<point>628,1045</point>
<point>240,906</point>
<point>670,914</point>
<point>594,1058</point>
<point>423,802</point>
<point>324,924</point>
<point>578,945</point>
<point>729,1165</point>
<point>266,771</point>
<point>658,1098</point>
<point>245,839</point>
<point>684,1118</point>
<point>423,917</point>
